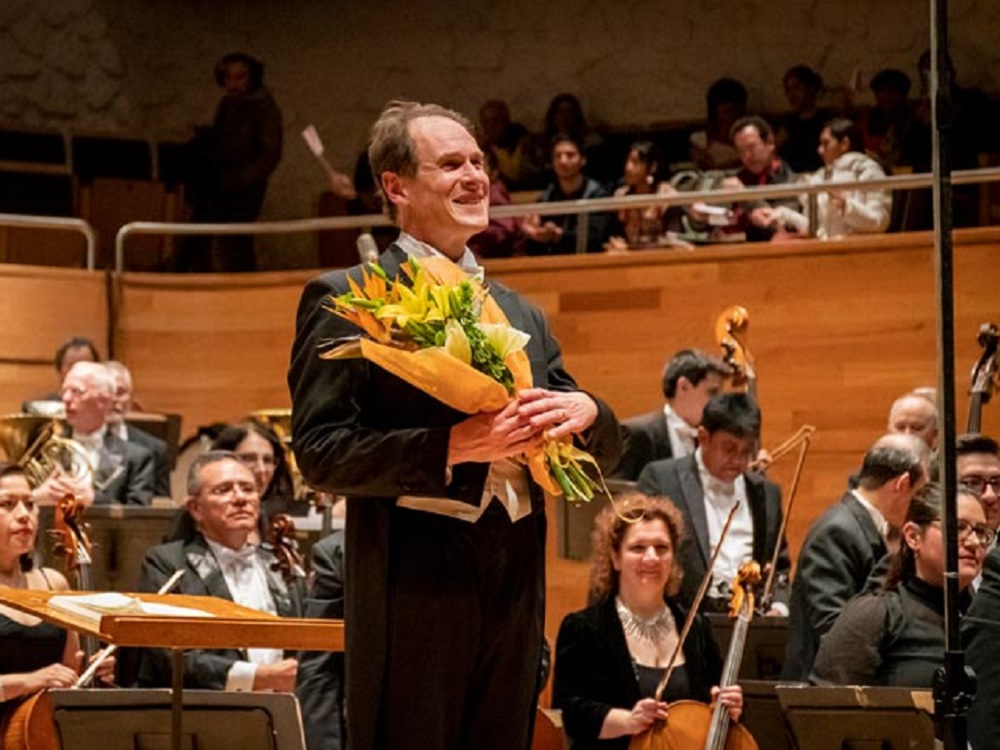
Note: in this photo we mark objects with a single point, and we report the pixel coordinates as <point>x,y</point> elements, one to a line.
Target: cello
<point>984,376</point>
<point>692,724</point>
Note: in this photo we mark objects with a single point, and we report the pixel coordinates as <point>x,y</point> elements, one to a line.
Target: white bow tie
<point>238,558</point>
<point>718,487</point>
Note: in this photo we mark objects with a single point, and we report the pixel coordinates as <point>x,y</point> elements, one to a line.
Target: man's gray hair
<point>391,148</point>
<point>96,374</point>
<point>206,459</point>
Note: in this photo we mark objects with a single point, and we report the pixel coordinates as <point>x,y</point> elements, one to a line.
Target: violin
<point>281,537</point>
<point>984,376</point>
<point>72,541</point>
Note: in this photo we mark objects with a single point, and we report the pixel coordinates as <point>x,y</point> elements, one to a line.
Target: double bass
<point>984,376</point>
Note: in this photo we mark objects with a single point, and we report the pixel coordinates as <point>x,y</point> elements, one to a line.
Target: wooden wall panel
<point>39,309</point>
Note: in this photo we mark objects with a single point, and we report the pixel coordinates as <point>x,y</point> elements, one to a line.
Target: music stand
<point>136,719</point>
<point>858,718</point>
<point>228,626</point>
<point>764,650</point>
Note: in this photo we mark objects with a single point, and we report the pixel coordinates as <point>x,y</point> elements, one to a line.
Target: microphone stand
<point>954,684</point>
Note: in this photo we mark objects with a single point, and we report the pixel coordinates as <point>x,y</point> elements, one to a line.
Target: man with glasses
<point>220,561</point>
<point>978,467</point>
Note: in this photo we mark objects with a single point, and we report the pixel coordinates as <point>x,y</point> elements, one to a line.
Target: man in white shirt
<point>220,561</point>
<point>444,548</point>
<point>690,379</point>
<point>845,545</point>
<point>706,486</point>
<point>119,472</point>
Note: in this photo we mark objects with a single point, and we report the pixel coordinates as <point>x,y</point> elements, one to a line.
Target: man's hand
<point>105,672</point>
<point>492,436</point>
<point>58,485</point>
<point>557,413</point>
<point>278,678</point>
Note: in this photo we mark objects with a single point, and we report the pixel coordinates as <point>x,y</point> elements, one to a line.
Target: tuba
<point>40,447</point>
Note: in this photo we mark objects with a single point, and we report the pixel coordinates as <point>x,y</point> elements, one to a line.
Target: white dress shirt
<point>683,437</point>
<point>247,581</point>
<point>738,546</point>
<point>507,480</point>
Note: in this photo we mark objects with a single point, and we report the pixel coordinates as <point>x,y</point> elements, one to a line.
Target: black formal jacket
<point>203,668</point>
<point>678,479</point>
<point>594,671</point>
<point>647,439</point>
<point>840,552</point>
<point>320,680</point>
<point>361,432</point>
<point>125,473</point>
<point>161,464</point>
<point>981,634</point>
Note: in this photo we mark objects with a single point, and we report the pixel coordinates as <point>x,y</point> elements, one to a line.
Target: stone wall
<point>144,66</point>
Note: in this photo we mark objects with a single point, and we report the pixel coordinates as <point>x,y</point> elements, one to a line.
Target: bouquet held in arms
<point>445,335</point>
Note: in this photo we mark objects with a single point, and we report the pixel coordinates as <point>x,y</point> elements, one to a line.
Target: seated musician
<point>895,636</point>
<point>977,464</point>
<point>220,561</point>
<point>706,485</point>
<point>259,448</point>
<point>74,349</point>
<point>122,403</point>
<point>611,656</point>
<point>120,472</point>
<point>845,545</point>
<point>914,413</point>
<point>34,655</point>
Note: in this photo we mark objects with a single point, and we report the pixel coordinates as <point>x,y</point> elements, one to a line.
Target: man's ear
<point>394,188</point>
<point>192,508</point>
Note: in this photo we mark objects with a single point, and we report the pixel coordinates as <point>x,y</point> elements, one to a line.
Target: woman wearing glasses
<point>895,635</point>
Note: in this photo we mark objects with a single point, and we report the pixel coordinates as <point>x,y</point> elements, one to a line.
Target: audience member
<point>640,227</point>
<point>705,487</point>
<point>122,403</point>
<point>219,561</point>
<point>914,414</point>
<point>690,378</point>
<point>799,130</point>
<point>517,159</point>
<point>556,235</point>
<point>320,682</point>
<point>977,459</point>
<point>120,472</point>
<point>241,151</point>
<point>761,219</point>
<point>611,656</point>
<point>845,545</point>
<point>840,213</point>
<point>887,128</point>
<point>895,636</point>
<point>564,116</point>
<point>712,148</point>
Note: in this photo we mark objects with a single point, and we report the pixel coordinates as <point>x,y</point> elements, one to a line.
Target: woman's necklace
<point>654,629</point>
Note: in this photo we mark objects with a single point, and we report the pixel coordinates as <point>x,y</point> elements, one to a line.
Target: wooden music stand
<point>230,626</point>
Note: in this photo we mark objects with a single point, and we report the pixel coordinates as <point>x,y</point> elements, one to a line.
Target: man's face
<point>756,153</point>
<point>980,472</point>
<point>447,200</point>
<point>689,400</point>
<point>236,79</point>
<point>914,416</point>
<point>86,404</point>
<point>122,399</point>
<point>227,504</point>
<point>567,161</point>
<point>726,456</point>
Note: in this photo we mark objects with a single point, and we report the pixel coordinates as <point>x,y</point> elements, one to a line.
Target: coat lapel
<point>276,584</point>
<point>694,498</point>
<point>758,516</point>
<point>203,562</point>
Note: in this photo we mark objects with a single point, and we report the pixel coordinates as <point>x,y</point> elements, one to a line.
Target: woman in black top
<point>34,655</point>
<point>611,656</point>
<point>895,636</point>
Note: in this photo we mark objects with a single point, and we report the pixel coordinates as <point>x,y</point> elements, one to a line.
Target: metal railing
<point>57,222</point>
<point>578,207</point>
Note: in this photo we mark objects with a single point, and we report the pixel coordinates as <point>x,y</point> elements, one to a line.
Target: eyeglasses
<point>984,534</point>
<point>978,485</point>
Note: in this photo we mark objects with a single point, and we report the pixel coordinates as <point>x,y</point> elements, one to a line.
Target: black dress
<point>594,672</point>
<point>26,648</point>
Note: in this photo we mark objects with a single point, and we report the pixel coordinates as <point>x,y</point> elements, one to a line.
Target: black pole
<point>953,686</point>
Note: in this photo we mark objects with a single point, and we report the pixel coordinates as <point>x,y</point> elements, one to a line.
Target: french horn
<point>39,446</point>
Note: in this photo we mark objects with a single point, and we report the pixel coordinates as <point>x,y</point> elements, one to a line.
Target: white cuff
<point>781,608</point>
<point>240,677</point>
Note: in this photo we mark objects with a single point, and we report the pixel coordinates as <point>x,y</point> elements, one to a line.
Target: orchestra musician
<point>34,655</point>
<point>611,656</point>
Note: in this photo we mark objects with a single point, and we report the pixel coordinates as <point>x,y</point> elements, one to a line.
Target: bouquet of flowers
<point>453,342</point>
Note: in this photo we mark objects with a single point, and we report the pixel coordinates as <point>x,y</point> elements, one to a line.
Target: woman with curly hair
<point>611,656</point>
